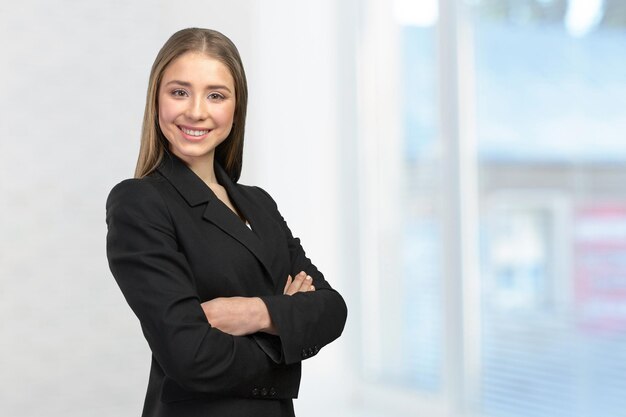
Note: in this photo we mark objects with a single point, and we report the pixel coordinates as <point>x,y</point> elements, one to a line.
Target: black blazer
<point>172,244</point>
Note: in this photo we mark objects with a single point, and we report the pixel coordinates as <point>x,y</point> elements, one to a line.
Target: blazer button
<point>255,392</point>
<point>305,354</point>
<point>272,392</point>
<point>315,349</point>
<point>264,392</point>
<point>311,353</point>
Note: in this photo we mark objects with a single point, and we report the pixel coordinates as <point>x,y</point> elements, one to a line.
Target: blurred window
<point>422,329</point>
<point>546,314</point>
<point>550,100</point>
<point>403,316</point>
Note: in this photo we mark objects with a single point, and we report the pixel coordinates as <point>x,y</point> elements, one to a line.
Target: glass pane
<point>411,300</point>
<point>550,100</point>
<point>423,330</point>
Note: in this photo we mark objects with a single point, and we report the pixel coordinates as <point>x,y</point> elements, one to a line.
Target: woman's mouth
<point>193,132</point>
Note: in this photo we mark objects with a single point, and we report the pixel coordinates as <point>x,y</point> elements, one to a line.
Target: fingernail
<point>308,278</point>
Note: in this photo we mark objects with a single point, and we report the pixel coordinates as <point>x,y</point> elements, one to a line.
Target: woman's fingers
<point>289,281</point>
<point>301,283</point>
<point>293,285</point>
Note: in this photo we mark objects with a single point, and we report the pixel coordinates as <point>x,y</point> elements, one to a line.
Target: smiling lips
<point>192,132</point>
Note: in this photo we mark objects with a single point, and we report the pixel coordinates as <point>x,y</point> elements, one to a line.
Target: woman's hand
<point>238,316</point>
<point>301,283</point>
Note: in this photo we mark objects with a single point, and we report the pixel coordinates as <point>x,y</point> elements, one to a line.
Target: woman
<point>227,300</point>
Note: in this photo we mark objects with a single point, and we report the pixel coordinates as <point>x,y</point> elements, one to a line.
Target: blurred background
<point>456,168</point>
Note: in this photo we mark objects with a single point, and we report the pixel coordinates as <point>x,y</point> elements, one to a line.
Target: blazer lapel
<point>264,228</point>
<point>196,192</point>
<point>261,225</point>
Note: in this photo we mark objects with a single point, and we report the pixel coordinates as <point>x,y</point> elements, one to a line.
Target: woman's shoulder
<point>136,192</point>
<point>258,194</point>
<point>135,186</point>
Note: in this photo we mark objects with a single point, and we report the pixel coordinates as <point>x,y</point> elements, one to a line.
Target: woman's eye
<point>179,93</point>
<point>215,96</point>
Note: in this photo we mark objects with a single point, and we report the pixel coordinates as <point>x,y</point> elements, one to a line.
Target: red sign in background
<point>599,267</point>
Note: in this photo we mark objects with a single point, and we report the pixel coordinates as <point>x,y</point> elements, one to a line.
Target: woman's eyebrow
<point>208,87</point>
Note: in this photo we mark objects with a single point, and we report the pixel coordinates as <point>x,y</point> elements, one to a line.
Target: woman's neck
<point>202,166</point>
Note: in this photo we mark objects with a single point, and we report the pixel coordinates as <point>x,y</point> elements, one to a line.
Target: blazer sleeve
<point>305,321</point>
<point>157,282</point>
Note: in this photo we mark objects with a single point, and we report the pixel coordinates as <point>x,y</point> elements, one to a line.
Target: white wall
<point>73,78</point>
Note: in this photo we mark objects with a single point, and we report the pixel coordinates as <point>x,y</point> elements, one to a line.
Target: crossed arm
<point>196,344</point>
<point>240,316</point>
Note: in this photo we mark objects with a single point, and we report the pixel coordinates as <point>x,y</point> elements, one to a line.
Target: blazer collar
<point>196,192</point>
<point>188,184</point>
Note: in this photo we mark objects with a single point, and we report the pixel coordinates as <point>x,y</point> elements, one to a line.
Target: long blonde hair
<point>154,145</point>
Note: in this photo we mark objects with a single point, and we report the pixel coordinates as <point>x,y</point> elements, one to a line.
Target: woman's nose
<point>198,109</point>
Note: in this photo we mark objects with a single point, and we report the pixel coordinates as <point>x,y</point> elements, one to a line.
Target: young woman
<point>227,299</point>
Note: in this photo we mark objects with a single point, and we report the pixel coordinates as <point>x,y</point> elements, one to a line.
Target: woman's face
<point>196,105</point>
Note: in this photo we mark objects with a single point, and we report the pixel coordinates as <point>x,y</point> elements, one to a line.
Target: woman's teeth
<point>194,132</point>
